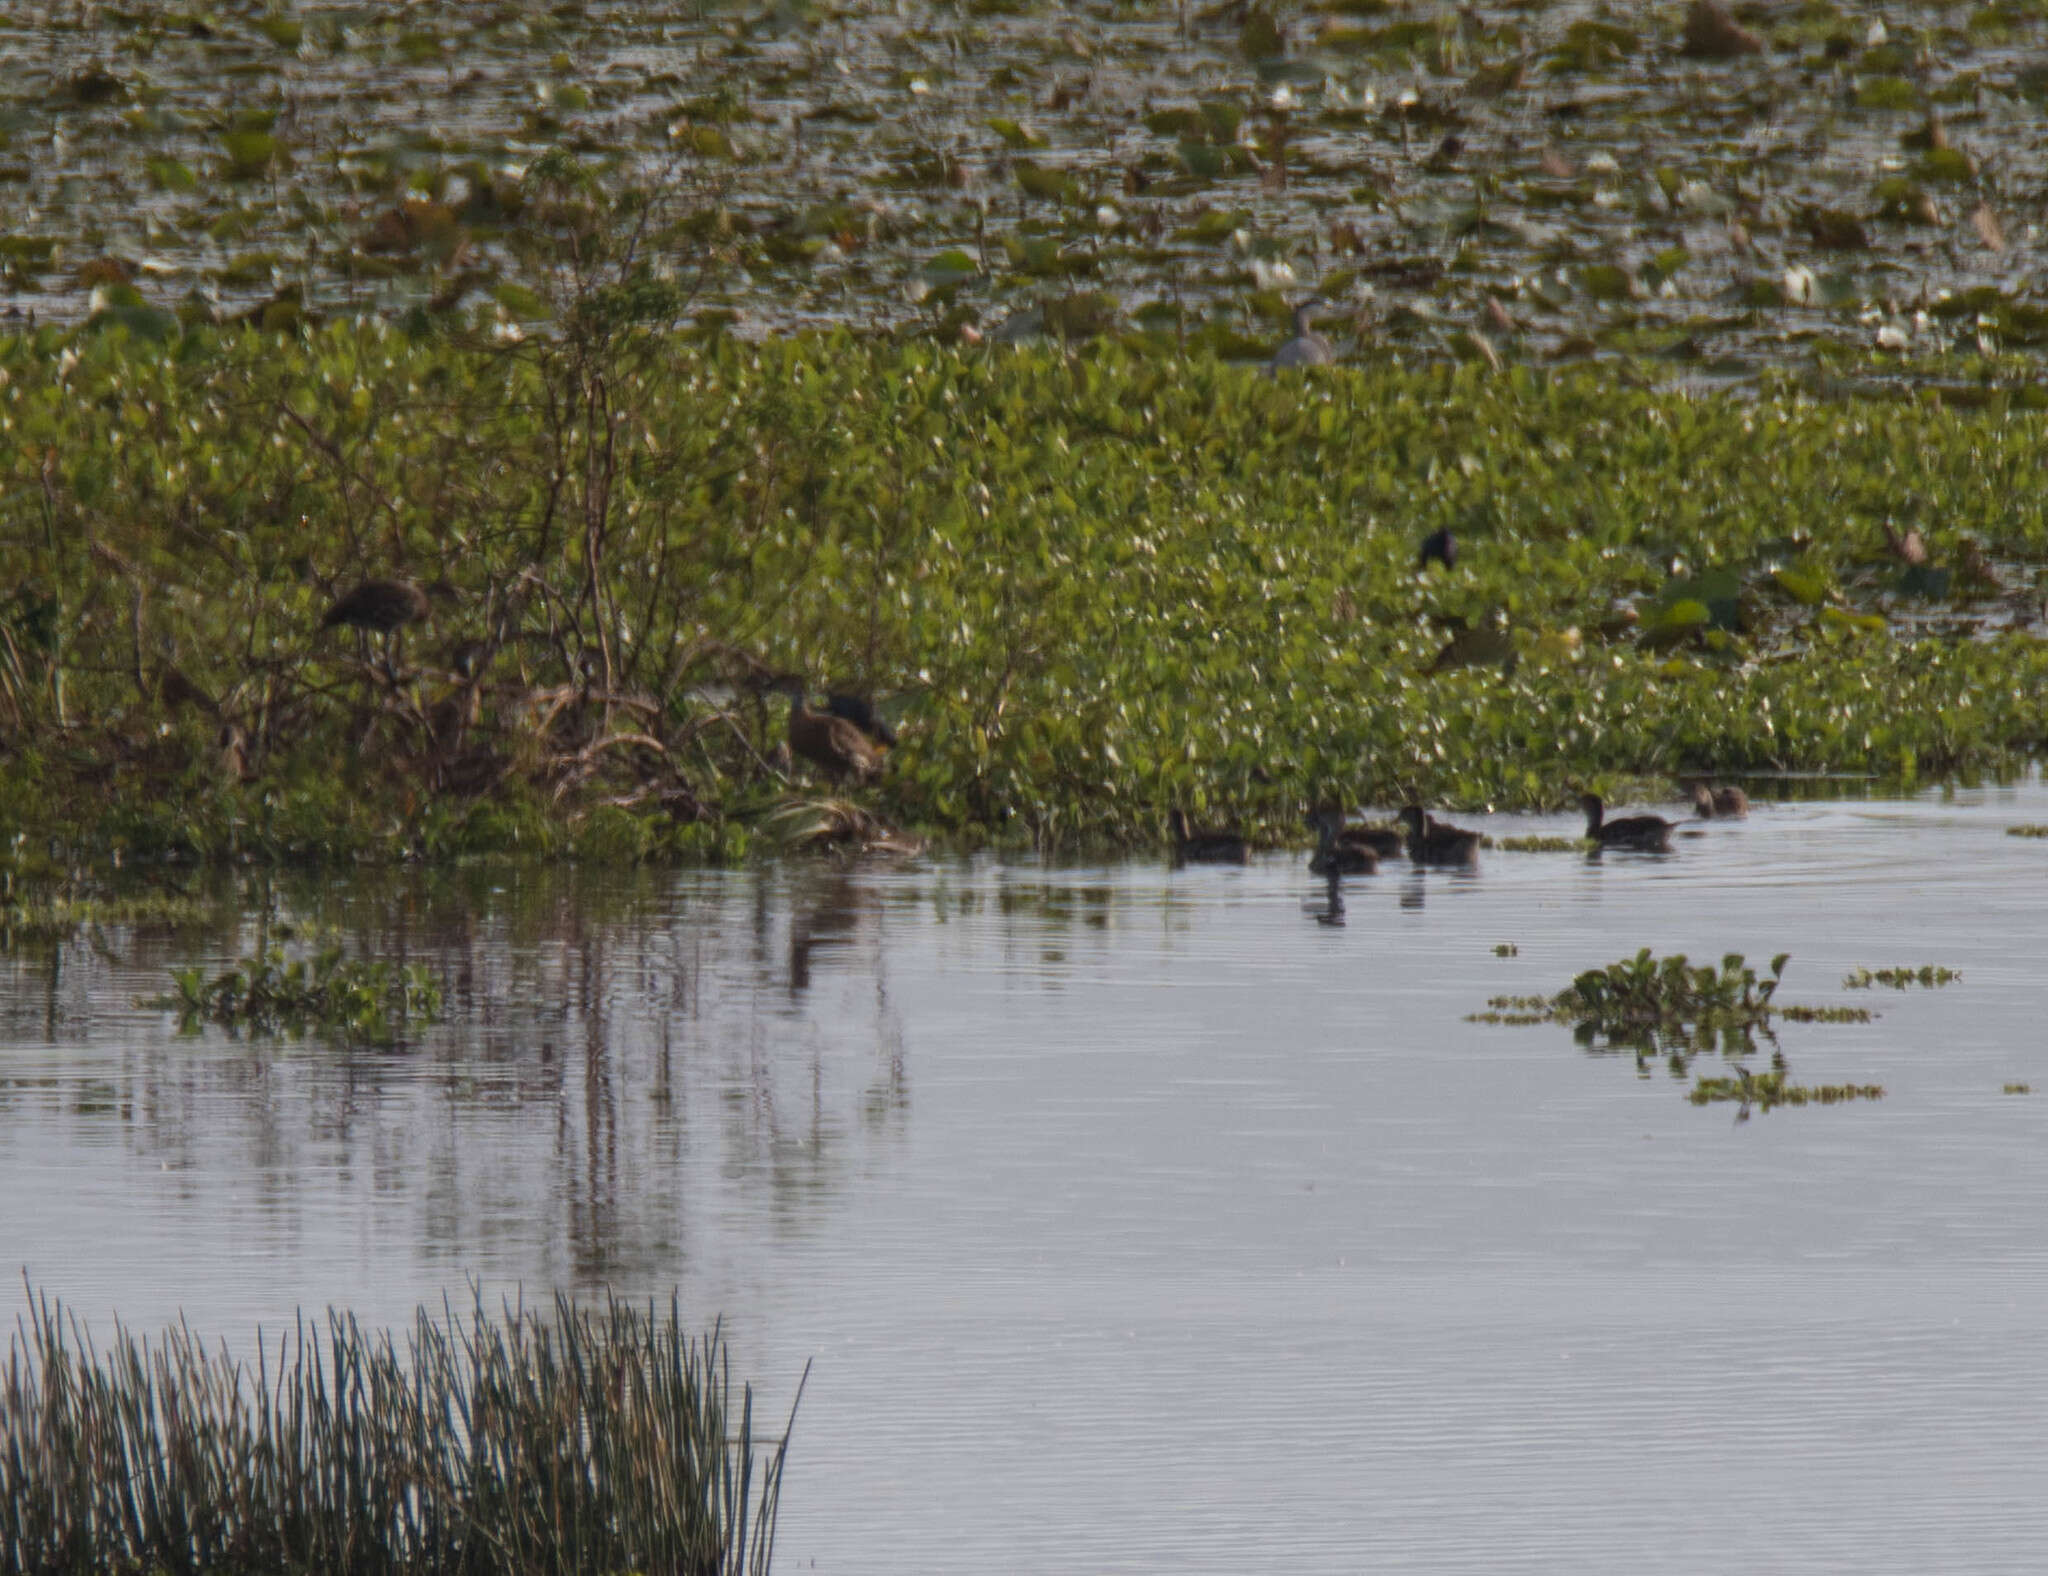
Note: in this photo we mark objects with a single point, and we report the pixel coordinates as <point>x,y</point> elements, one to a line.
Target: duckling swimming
<point>1729,803</point>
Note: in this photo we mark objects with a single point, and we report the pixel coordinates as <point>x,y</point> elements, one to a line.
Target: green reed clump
<point>600,1439</point>
<point>2027,829</point>
<point>1539,845</point>
<point>30,918</point>
<point>347,997</point>
<point>1931,975</point>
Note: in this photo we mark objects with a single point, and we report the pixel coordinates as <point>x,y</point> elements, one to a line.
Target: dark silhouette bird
<point>1650,834</point>
<point>1381,841</point>
<point>1307,348</point>
<point>833,744</point>
<point>1434,842</point>
<point>1440,546</point>
<point>1206,848</point>
<point>1337,853</point>
<point>379,607</point>
<point>860,711</point>
<point>1730,803</point>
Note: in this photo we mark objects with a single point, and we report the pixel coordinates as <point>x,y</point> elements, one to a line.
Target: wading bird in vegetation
<point>384,607</point>
<point>1441,547</point>
<point>1730,803</point>
<point>1206,848</point>
<point>1307,348</point>
<point>1434,842</point>
<point>1338,850</point>
<point>1649,833</point>
<point>833,744</point>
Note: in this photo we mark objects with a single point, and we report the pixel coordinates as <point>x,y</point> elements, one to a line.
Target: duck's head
<point>1592,805</point>
<point>1703,800</point>
<point>1326,823</point>
<point>1411,817</point>
<point>1178,820</point>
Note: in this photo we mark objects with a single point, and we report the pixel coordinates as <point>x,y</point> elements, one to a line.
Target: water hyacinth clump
<point>597,1439</point>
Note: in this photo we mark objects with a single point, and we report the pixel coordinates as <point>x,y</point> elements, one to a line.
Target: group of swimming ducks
<point>1344,850</point>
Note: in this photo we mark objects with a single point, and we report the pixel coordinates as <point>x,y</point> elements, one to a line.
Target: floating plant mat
<point>1669,1008</point>
<point>1485,181</point>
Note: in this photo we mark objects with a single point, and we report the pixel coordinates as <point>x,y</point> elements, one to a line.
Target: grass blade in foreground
<point>589,1439</point>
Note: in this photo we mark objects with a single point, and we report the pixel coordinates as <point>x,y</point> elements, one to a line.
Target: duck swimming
<point>1339,851</point>
<point>1647,833</point>
<point>1206,848</point>
<point>1434,842</point>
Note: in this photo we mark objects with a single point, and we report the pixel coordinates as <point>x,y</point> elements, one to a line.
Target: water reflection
<point>1134,1191</point>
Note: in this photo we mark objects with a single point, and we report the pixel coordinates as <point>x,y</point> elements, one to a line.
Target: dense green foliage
<point>600,1440</point>
<point>1095,587</point>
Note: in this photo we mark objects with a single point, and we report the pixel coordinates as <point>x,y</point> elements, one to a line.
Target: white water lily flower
<point>1283,97</point>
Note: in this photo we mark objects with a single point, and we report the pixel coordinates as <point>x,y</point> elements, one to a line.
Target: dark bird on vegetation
<point>1206,848</point>
<point>1307,348</point>
<point>833,744</point>
<point>1730,803</point>
<point>1434,842</point>
<point>1439,547</point>
<point>1647,833</point>
<point>1333,855</point>
<point>379,606</point>
<point>1910,549</point>
<point>1712,34</point>
<point>860,711</point>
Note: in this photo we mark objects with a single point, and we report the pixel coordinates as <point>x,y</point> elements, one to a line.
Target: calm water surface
<point>1143,1220</point>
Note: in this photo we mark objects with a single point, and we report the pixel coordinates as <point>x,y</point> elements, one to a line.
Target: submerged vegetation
<point>589,1439</point>
<point>327,993</point>
<point>1669,1006</point>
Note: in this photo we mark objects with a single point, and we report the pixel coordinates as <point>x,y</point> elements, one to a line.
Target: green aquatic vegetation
<point>1506,949</point>
<point>1095,585</point>
<point>1762,1091</point>
<point>1539,845</point>
<point>599,1437</point>
<point>2028,829</point>
<point>1671,1009</point>
<point>1930,975</point>
<point>796,147</point>
<point>327,993</point>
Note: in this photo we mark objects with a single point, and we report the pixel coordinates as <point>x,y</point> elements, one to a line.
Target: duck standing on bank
<point>1434,842</point>
<point>1649,834</point>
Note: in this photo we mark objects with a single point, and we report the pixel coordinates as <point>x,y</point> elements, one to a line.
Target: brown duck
<point>833,744</point>
<point>1729,803</point>
<point>1206,848</point>
<point>1434,842</point>
<point>1650,834</point>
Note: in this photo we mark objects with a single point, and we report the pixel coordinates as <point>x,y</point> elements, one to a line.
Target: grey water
<point>1141,1219</point>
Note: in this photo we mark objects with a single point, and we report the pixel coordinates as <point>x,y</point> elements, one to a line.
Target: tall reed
<point>598,1440</point>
